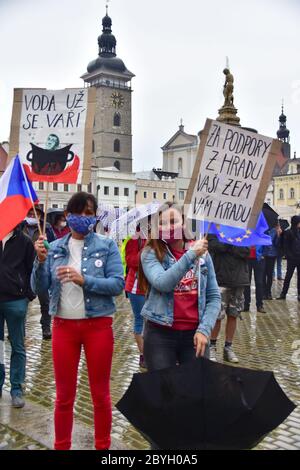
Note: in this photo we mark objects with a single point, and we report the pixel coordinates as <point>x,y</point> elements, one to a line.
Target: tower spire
<point>283,132</point>
<point>107,41</point>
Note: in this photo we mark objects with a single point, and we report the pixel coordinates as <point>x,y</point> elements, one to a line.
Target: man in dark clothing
<point>30,228</point>
<point>256,264</point>
<point>232,273</point>
<point>16,261</point>
<point>291,248</point>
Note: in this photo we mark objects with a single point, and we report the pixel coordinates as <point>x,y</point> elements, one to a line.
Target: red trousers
<point>96,337</point>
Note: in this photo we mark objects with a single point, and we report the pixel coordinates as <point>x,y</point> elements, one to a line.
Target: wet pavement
<point>263,341</point>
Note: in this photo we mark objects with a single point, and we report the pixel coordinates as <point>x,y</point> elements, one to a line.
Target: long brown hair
<point>159,246</point>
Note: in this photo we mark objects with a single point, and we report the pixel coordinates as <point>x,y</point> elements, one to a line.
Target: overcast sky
<point>176,48</point>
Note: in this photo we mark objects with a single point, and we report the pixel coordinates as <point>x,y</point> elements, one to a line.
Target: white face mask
<point>63,224</point>
<point>31,221</point>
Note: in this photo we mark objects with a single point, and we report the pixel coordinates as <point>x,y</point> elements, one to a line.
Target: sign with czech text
<point>51,130</point>
<point>232,172</point>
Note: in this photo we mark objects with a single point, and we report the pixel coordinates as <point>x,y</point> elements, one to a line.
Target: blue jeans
<point>137,302</point>
<point>279,267</point>
<point>165,348</point>
<point>14,313</point>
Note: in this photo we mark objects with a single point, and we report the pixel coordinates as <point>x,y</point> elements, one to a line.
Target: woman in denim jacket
<point>82,271</point>
<point>183,298</point>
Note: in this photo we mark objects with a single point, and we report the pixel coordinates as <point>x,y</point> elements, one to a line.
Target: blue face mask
<point>82,224</point>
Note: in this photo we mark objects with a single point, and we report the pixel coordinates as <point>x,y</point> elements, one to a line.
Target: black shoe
<point>298,298</point>
<point>261,310</point>
<point>281,297</point>
<point>47,334</point>
<point>269,297</point>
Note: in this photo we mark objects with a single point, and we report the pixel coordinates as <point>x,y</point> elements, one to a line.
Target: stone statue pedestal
<point>228,115</point>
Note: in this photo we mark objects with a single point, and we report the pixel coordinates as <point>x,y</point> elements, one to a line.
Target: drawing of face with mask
<point>52,142</point>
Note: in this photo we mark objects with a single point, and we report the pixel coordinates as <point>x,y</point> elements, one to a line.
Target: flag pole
<point>30,196</point>
<point>46,208</point>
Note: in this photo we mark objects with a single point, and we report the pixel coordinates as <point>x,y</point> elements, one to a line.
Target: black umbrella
<point>205,405</point>
<point>284,224</point>
<point>270,215</point>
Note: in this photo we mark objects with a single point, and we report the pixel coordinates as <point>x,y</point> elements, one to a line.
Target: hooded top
<point>291,240</point>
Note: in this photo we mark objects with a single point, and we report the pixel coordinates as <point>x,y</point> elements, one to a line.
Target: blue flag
<point>237,236</point>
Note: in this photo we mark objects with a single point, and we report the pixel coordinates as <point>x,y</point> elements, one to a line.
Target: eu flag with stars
<point>237,236</point>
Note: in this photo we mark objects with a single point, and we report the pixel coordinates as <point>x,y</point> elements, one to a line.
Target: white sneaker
<point>213,353</point>
<point>230,356</point>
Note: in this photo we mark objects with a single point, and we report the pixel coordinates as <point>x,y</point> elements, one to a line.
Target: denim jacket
<point>101,268</point>
<point>163,278</point>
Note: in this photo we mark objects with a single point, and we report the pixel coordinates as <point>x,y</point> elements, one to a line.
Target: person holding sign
<point>83,272</point>
<point>183,298</point>
<point>30,227</point>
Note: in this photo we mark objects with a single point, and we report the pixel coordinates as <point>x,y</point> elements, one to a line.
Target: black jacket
<point>230,262</point>
<point>16,263</point>
<point>291,240</point>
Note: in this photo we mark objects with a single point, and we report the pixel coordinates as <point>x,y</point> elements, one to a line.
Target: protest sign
<point>232,172</point>
<point>51,130</point>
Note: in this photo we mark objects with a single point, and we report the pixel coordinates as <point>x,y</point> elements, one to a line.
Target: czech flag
<point>16,197</point>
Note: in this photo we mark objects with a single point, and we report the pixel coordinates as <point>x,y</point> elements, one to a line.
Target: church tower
<point>283,134</point>
<point>112,136</point>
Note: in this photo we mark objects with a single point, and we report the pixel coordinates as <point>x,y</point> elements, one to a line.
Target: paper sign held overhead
<point>51,130</point>
<point>231,175</point>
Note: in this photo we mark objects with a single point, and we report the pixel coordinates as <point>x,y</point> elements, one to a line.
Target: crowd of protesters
<point>179,289</point>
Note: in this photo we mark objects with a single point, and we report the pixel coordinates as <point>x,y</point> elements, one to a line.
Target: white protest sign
<point>52,133</point>
<point>231,175</point>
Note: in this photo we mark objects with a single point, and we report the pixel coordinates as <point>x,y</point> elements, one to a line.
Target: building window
<point>89,188</point>
<point>41,186</point>
<point>42,206</point>
<point>79,188</point>
<point>117,146</point>
<point>181,195</point>
<point>281,194</point>
<point>179,164</point>
<point>93,146</point>
<point>54,206</point>
<point>117,165</point>
<point>117,120</point>
<point>292,193</point>
<point>116,191</point>
<point>55,187</point>
<point>165,196</point>
<point>154,195</point>
<point>106,190</point>
<point>126,192</point>
<point>66,188</point>
<point>145,194</point>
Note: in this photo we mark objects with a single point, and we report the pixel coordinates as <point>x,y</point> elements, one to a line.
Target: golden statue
<point>228,112</point>
<point>228,88</point>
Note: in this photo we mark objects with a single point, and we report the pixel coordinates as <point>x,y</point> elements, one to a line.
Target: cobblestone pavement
<point>263,341</point>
